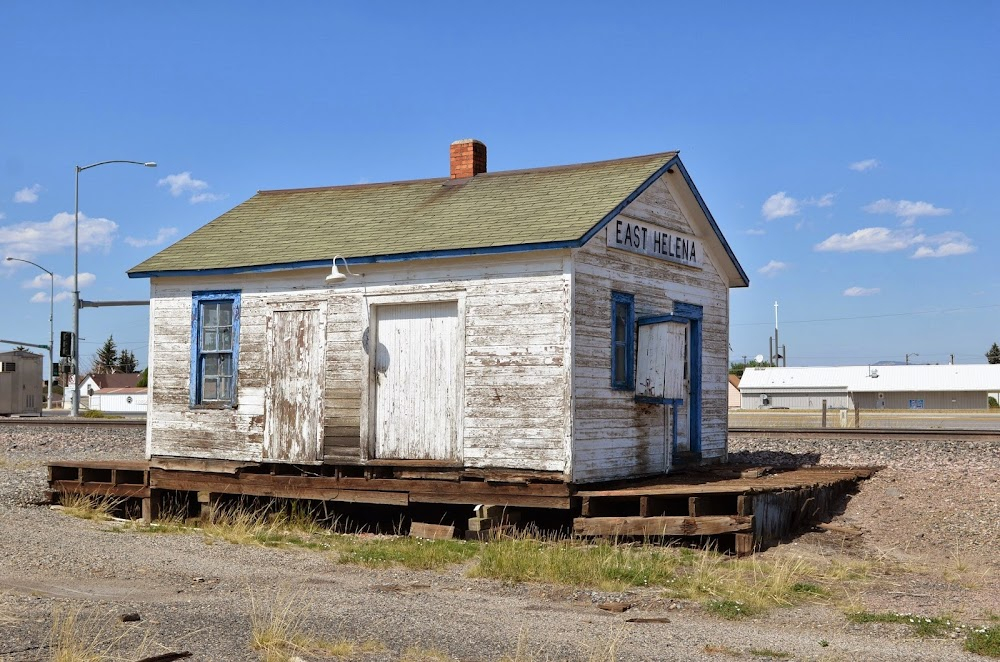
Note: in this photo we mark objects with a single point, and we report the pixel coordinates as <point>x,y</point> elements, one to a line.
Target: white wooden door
<point>662,372</point>
<point>416,374</point>
<point>293,394</point>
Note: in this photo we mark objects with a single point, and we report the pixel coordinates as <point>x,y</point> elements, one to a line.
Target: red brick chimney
<point>468,158</point>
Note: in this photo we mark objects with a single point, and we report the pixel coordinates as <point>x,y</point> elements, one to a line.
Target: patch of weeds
<point>414,553</point>
<point>808,588</point>
<point>922,626</point>
<point>95,413</point>
<point>604,565</point>
<point>74,638</point>
<point>718,649</point>
<point>730,609</point>
<point>823,643</point>
<point>277,633</point>
<point>421,654</point>
<point>767,652</point>
<point>984,641</point>
<point>89,506</point>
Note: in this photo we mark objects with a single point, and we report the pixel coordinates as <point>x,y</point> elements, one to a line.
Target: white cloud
<point>36,238</point>
<point>772,268</point>
<point>756,231</point>
<point>207,197</point>
<point>64,296</point>
<point>876,240</point>
<point>907,210</point>
<point>861,291</point>
<point>865,165</point>
<point>884,240</point>
<point>183,183</point>
<point>42,281</point>
<point>43,297</point>
<point>946,244</point>
<point>28,194</point>
<point>779,205</point>
<point>163,235</point>
<point>825,200</point>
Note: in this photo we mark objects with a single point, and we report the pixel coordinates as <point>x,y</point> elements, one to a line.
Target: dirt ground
<point>928,520</point>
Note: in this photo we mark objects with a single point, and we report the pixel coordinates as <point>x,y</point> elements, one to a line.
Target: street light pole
<point>52,292</point>
<point>76,277</point>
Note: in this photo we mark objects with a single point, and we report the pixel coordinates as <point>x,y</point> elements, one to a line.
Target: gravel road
<point>933,508</point>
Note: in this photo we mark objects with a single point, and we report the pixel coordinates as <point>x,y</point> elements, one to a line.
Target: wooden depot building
<point>569,322</point>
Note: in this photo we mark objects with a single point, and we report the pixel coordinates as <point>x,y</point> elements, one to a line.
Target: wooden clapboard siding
<point>614,437</point>
<point>515,370</point>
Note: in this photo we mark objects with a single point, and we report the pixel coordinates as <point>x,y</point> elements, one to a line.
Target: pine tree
<point>106,359</point>
<point>993,356</point>
<point>127,362</point>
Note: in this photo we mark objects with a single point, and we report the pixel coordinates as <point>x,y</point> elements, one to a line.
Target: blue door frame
<point>692,315</point>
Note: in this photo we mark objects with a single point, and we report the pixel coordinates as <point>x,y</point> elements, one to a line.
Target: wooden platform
<point>756,505</point>
<point>759,505</point>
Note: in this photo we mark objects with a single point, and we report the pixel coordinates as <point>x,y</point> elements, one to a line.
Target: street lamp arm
<point>18,259</point>
<point>148,164</point>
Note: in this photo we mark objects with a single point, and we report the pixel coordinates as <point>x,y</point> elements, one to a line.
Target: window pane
<point>225,388</point>
<point>211,366</point>
<point>226,313</point>
<point>226,365</point>
<point>621,321</point>
<point>619,374</point>
<point>210,389</point>
<point>210,314</point>
<point>210,341</point>
<point>225,339</point>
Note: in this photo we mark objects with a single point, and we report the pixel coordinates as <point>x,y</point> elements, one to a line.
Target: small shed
<point>567,322</point>
<point>20,383</point>
<point>871,387</point>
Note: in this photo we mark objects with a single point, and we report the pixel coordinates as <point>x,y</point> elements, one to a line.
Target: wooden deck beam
<point>661,526</point>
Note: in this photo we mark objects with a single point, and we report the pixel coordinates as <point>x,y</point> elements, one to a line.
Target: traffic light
<point>65,344</point>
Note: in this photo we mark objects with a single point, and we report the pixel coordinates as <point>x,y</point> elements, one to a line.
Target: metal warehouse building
<point>871,387</point>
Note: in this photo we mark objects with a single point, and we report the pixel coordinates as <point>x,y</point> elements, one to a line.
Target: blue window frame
<point>622,341</point>
<point>215,347</point>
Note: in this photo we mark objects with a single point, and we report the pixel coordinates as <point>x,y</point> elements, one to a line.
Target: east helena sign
<point>648,240</point>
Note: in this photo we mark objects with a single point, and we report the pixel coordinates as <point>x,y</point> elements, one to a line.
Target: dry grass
<point>89,506</point>
<point>75,638</point>
<point>422,654</point>
<point>278,634</point>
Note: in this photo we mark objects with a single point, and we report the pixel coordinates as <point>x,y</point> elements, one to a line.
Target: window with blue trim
<point>622,340</point>
<point>215,333</point>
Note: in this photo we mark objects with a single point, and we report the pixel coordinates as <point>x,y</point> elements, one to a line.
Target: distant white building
<point>870,387</point>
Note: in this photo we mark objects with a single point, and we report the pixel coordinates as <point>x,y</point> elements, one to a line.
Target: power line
<point>865,317</point>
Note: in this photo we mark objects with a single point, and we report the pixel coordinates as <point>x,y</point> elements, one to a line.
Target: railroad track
<point>868,433</point>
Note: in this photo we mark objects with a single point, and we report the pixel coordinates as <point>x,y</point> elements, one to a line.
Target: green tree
<point>737,367</point>
<point>993,356</point>
<point>143,378</point>
<point>106,359</point>
<point>127,361</point>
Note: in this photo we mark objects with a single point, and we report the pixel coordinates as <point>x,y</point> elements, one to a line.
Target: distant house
<point>96,382</point>
<point>871,387</point>
<point>734,392</point>
<point>120,400</point>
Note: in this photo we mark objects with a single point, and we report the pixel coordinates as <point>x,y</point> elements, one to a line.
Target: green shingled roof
<point>500,209</point>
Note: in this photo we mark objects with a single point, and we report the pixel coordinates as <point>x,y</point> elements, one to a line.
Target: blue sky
<point>847,150</point>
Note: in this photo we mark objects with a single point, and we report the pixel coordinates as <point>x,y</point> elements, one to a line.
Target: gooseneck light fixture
<point>335,275</point>
<point>76,276</point>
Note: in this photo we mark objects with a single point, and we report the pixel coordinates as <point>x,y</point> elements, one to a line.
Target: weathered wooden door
<point>662,376</point>
<point>293,394</point>
<point>417,384</point>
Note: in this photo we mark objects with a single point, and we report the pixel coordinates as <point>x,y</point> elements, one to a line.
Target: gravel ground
<point>933,511</point>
